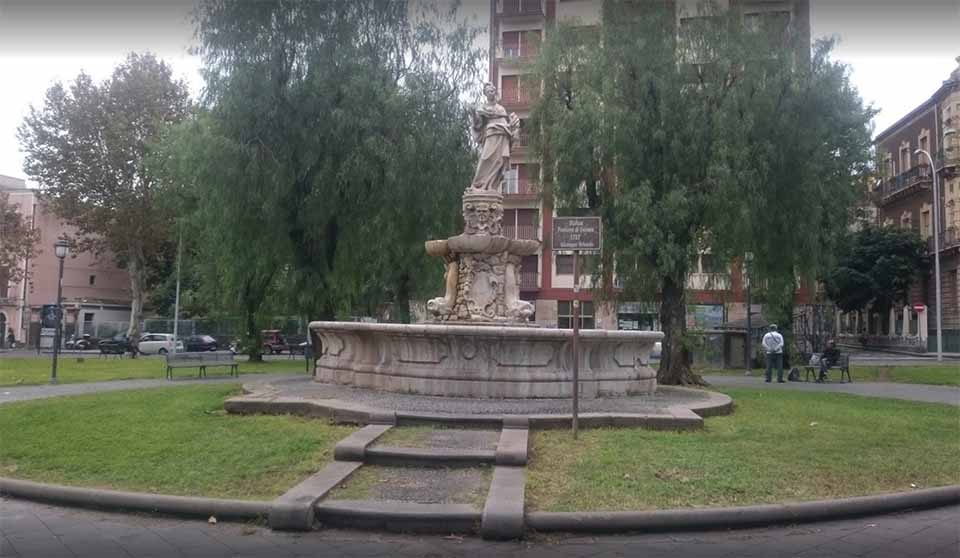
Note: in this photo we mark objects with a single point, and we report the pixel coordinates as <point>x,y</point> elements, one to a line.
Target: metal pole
<point>176,299</point>
<point>56,332</point>
<point>936,253</point>
<point>576,345</point>
<point>749,325</point>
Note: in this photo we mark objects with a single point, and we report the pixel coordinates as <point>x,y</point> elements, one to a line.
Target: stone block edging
<point>135,501</point>
<point>740,517</point>
<point>294,510</point>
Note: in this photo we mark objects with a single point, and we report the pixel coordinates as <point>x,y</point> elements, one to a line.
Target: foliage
<point>18,241</point>
<point>169,441</point>
<point>807,453</point>
<point>711,137</point>
<point>87,147</point>
<point>876,267</point>
<point>331,145</point>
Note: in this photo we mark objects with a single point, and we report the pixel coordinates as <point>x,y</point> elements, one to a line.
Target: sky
<point>899,51</point>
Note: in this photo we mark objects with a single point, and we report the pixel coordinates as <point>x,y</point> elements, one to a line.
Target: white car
<point>157,344</point>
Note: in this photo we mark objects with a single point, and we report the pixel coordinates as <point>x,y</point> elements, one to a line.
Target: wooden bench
<point>813,367</point>
<point>202,361</point>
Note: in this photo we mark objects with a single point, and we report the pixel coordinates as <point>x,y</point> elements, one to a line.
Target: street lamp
<point>936,240</point>
<point>61,248</point>
<point>747,259</point>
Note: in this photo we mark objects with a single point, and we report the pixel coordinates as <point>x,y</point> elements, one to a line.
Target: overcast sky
<point>900,51</point>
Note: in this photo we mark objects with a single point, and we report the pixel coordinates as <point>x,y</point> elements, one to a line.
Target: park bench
<point>202,361</point>
<point>813,367</point>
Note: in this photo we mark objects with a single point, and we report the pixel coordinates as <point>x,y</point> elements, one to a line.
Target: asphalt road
<point>36,530</point>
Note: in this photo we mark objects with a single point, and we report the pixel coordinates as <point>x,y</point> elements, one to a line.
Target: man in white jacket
<point>773,346</point>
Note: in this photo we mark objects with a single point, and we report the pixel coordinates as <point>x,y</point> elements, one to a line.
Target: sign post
<point>576,234</point>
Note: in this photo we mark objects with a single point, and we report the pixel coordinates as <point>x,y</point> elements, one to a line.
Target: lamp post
<point>747,259</point>
<point>61,248</point>
<point>936,241</point>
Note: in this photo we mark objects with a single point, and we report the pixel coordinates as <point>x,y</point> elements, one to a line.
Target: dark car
<point>83,343</point>
<point>116,345</point>
<point>197,343</point>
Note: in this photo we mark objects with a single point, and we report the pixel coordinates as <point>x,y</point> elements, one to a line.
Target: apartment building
<point>96,293</point>
<point>517,27</point>
<point>904,198</point>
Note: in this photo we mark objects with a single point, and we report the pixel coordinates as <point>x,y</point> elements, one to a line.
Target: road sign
<point>919,307</point>
<point>576,233</point>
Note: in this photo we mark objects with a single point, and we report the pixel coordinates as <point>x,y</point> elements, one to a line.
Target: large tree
<point>332,143</point>
<point>18,241</point>
<point>876,267</point>
<point>722,135</point>
<point>87,147</point>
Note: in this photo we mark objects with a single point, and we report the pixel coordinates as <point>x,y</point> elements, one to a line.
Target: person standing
<point>773,347</point>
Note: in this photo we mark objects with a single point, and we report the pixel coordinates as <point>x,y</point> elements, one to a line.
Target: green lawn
<point>776,447</point>
<point>170,440</point>
<point>70,369</point>
<point>947,374</point>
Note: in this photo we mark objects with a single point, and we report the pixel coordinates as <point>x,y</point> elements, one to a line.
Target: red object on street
<point>919,307</point>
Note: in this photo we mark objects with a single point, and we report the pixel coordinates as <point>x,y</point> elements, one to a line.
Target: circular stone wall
<point>482,361</point>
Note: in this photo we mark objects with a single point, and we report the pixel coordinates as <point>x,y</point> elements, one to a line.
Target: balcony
<point>949,239</point>
<point>916,176</point>
<point>515,101</point>
<point>521,8</point>
<point>529,280</point>
<point>520,232</point>
<point>527,188</point>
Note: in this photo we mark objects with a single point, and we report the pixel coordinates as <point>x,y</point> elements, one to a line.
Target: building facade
<point>96,293</point>
<point>904,198</point>
<point>716,289</point>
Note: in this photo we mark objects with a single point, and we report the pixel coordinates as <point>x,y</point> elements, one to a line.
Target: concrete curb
<point>503,510</point>
<point>746,516</point>
<point>294,510</point>
<point>399,516</point>
<point>136,501</point>
<point>428,457</point>
<point>354,446</point>
<point>513,447</point>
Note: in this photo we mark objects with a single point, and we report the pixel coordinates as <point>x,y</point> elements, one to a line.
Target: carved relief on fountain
<point>482,267</point>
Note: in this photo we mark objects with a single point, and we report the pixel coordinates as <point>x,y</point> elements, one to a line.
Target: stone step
<point>428,457</point>
<point>406,517</point>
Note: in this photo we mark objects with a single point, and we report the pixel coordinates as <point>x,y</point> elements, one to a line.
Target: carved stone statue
<point>494,130</point>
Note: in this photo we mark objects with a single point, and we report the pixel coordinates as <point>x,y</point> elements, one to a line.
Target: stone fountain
<point>480,342</point>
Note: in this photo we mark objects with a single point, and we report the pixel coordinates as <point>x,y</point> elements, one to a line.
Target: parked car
<point>273,341</point>
<point>85,342</point>
<point>198,343</point>
<point>157,344</point>
<point>116,345</point>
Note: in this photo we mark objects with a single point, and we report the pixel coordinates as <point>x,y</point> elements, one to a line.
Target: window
<point>511,44</point>
<point>564,264</point>
<point>88,317</point>
<point>925,227</point>
<point>92,280</point>
<point>565,315</point>
<point>510,182</point>
<point>905,158</point>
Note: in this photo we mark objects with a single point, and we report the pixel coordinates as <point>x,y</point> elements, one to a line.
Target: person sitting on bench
<point>829,358</point>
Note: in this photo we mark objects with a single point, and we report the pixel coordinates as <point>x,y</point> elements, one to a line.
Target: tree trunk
<point>402,302</point>
<point>253,341</point>
<point>675,357</point>
<point>138,280</point>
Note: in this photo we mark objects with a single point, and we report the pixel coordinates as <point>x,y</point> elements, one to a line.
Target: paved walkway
<point>35,530</point>
<point>912,392</point>
<point>9,394</point>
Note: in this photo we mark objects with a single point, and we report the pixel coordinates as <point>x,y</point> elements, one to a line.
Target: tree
<point>331,145</point>
<point>18,241</point>
<point>715,136</point>
<point>87,148</point>
<point>876,268</point>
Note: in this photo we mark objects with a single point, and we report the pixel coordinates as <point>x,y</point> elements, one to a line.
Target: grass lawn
<point>947,374</point>
<point>776,447</point>
<point>171,440</point>
<point>70,369</point>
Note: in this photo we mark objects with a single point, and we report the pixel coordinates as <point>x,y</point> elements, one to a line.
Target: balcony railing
<point>949,238</point>
<point>520,232</point>
<point>529,280</point>
<point>521,7</point>
<point>520,188</point>
<point>916,175</point>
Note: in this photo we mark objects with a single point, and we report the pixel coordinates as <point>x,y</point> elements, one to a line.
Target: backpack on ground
<point>794,375</point>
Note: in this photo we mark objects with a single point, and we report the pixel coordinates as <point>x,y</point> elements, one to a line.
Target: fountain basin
<point>482,361</point>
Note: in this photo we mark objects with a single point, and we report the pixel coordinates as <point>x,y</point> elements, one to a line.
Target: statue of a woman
<point>494,130</point>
